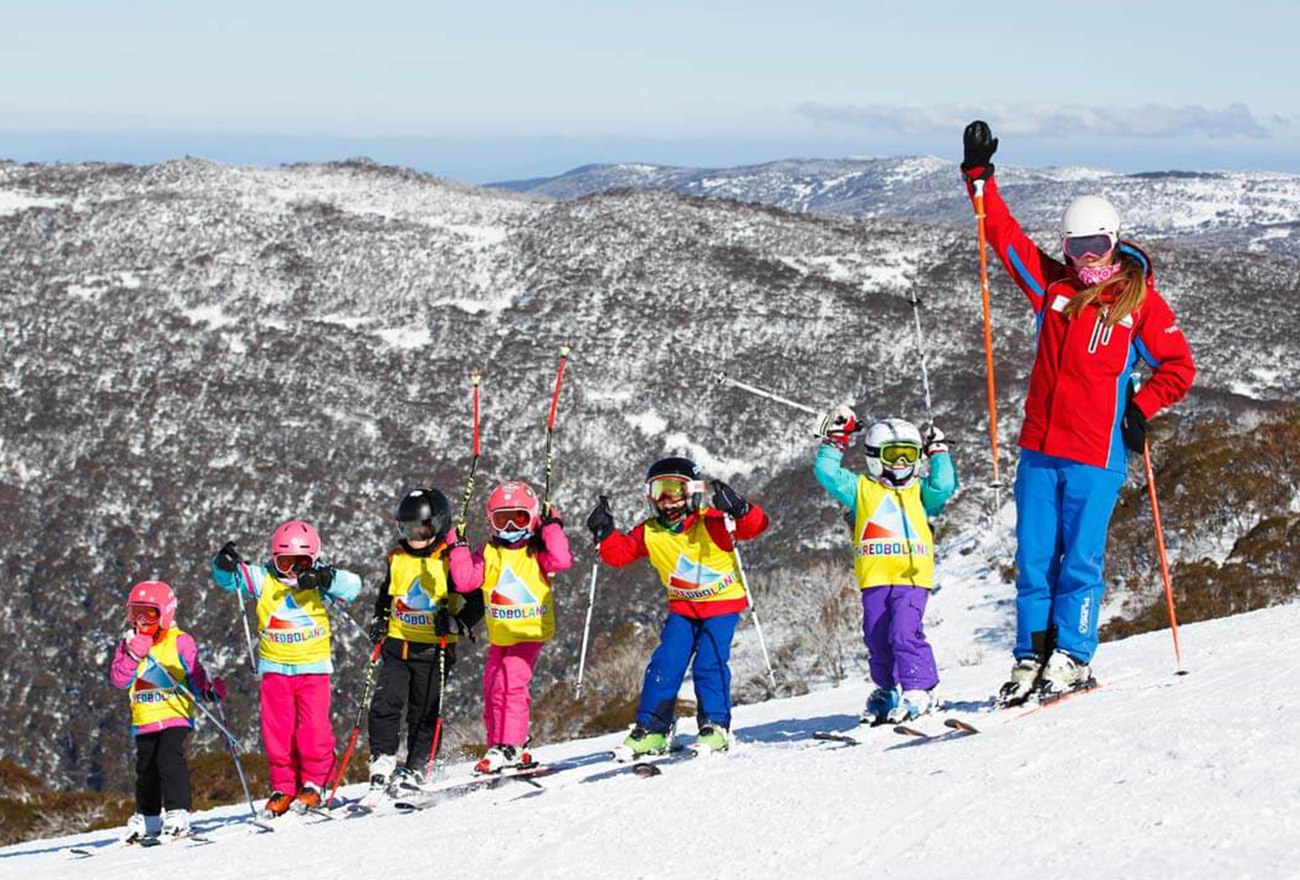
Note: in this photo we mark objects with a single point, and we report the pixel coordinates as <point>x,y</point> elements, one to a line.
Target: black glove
<point>442,620</point>
<point>601,520</point>
<point>728,501</point>
<point>318,578</point>
<point>378,629</point>
<point>933,442</point>
<point>1134,428</point>
<point>227,557</point>
<point>979,145</point>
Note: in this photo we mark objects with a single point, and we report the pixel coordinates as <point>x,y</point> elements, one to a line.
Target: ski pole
<point>988,344</point>
<point>473,464</point>
<point>243,613</point>
<point>239,769</point>
<point>1164,557</point>
<point>591,604</point>
<point>442,687</point>
<point>753,607</point>
<point>366,692</point>
<point>550,426</point>
<point>724,379</point>
<point>920,348</point>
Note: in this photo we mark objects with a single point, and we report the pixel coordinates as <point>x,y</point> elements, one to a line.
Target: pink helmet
<point>514,496</point>
<point>295,538</point>
<point>154,594</point>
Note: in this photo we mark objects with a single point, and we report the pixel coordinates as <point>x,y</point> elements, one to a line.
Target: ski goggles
<point>1080,247</point>
<point>894,455</point>
<point>292,563</point>
<point>415,530</point>
<point>511,518</point>
<point>672,488</point>
<point>141,614</point>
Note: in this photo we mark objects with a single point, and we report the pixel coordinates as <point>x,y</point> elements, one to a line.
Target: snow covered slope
<point>1140,779</point>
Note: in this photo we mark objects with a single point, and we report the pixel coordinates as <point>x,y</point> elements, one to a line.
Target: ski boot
<point>1061,675</point>
<point>881,702</point>
<point>1024,676</point>
<point>309,797</point>
<point>138,827</point>
<point>405,782</point>
<point>912,705</point>
<point>276,805</point>
<point>503,757</point>
<point>641,743</point>
<point>176,824</point>
<point>714,739</point>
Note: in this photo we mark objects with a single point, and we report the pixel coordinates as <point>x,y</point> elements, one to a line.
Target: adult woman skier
<point>1098,314</point>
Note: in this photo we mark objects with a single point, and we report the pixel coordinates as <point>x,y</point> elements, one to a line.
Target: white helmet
<point>1090,215</point>
<point>893,449</point>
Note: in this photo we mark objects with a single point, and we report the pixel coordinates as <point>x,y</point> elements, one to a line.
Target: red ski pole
<point>362,707</point>
<point>550,426</point>
<point>1164,557</point>
<point>988,343</point>
<point>442,686</point>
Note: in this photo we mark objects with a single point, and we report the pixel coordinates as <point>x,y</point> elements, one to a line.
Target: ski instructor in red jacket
<point>1098,315</point>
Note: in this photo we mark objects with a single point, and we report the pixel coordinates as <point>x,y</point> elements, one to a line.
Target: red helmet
<point>153,594</point>
<point>295,538</point>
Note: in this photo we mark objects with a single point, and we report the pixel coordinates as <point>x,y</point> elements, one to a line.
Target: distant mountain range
<point>1246,211</point>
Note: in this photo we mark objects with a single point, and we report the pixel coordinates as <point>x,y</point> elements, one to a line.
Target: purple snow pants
<point>891,630</point>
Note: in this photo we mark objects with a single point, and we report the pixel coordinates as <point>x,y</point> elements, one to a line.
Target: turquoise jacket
<point>345,588</point>
<point>842,483</point>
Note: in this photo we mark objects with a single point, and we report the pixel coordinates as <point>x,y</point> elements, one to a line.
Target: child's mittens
<point>933,442</point>
<point>215,691</point>
<point>837,427</point>
<point>601,520</point>
<point>138,645</point>
<point>728,500</point>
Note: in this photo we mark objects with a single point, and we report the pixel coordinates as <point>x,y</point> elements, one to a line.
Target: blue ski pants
<point>1063,511</point>
<point>708,640</point>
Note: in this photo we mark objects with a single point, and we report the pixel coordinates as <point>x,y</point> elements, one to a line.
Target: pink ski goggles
<point>1081,247</point>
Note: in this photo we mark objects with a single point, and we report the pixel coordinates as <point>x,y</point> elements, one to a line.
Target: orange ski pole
<point>988,343</point>
<point>1164,557</point>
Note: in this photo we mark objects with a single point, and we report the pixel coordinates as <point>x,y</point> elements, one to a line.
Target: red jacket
<point>1079,382</point>
<point>620,549</point>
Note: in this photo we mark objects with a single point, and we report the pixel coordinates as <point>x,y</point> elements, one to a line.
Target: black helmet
<point>423,514</point>
<point>675,469</point>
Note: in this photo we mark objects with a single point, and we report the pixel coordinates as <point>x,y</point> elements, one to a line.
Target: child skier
<point>426,574</point>
<point>294,657</point>
<point>159,663</point>
<point>691,547</point>
<point>524,552</point>
<point>893,550</point>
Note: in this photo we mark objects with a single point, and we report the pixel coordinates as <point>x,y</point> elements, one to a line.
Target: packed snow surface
<point>1146,777</point>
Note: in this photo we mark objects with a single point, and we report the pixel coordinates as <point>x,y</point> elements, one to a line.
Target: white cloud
<point>1052,120</point>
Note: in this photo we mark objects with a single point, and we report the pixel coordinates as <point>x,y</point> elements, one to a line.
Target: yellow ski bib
<point>418,584</point>
<point>294,625</point>
<point>154,694</point>
<point>692,567</point>
<point>893,543</point>
<point>518,598</point>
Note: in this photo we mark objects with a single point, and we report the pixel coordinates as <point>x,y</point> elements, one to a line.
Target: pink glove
<point>216,689</point>
<point>138,646</point>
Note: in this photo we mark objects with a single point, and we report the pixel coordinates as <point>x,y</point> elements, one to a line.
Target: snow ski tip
<point>911,731</point>
<point>958,724</point>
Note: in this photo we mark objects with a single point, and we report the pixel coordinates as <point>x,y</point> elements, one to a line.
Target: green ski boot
<point>641,743</point>
<point>713,739</point>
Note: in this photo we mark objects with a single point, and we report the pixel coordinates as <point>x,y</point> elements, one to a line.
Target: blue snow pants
<point>709,641</point>
<point>1063,511</point>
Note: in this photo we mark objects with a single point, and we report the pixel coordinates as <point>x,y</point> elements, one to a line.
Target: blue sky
<point>508,89</point>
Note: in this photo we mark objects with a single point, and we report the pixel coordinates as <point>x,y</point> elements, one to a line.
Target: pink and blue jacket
<point>122,674</point>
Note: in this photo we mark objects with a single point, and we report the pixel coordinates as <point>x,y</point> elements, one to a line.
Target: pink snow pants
<point>506,697</point>
<point>296,729</point>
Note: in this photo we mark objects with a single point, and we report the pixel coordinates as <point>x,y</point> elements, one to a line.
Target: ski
<point>844,737</point>
<point>189,840</point>
<point>653,766</point>
<point>460,785</point>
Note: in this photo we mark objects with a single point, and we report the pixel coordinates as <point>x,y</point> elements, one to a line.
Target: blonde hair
<point>1132,277</point>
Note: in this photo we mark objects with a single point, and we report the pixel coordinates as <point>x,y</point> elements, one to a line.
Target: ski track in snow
<point>1136,780</point>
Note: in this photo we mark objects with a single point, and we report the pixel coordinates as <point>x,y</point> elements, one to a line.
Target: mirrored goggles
<point>292,563</point>
<point>1081,247</point>
<point>142,614</point>
<point>672,488</point>
<point>513,518</point>
<point>415,530</point>
<point>893,455</point>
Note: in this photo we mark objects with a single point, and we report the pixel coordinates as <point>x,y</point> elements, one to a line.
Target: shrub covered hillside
<point>1228,503</point>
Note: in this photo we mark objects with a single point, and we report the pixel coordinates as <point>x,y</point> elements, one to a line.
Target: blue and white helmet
<point>893,450</point>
